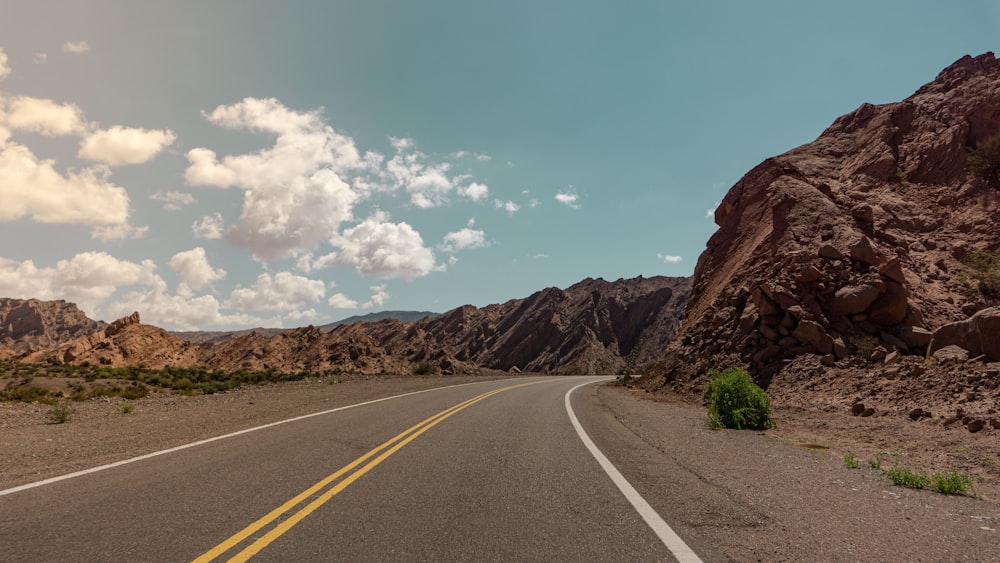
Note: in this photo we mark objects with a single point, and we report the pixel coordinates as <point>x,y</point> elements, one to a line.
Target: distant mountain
<point>592,327</point>
<point>31,324</point>
<point>401,316</point>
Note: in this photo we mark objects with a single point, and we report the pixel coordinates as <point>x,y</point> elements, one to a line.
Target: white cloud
<point>341,301</point>
<point>173,201</point>
<point>463,239</point>
<point>427,184</point>
<point>30,187</point>
<point>476,192</point>
<point>119,231</point>
<point>568,199</point>
<point>379,248</point>
<point>125,145</point>
<point>4,66</point>
<point>710,213</point>
<point>282,292</point>
<point>178,312</point>
<point>43,116</point>
<point>193,270</point>
<point>41,58</point>
<point>669,258</point>
<point>209,227</point>
<point>294,197</point>
<point>88,279</point>
<point>76,47</point>
<point>379,297</point>
<point>508,206</point>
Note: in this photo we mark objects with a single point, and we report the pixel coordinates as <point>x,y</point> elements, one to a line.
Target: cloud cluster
<point>4,66</point>
<point>125,145</point>
<point>283,291</point>
<point>76,47</point>
<point>669,258</point>
<point>569,199</point>
<point>173,201</point>
<point>377,247</point>
<point>193,270</point>
<point>463,239</point>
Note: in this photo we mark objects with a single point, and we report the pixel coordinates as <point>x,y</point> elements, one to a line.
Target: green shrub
<point>735,401</point>
<point>61,412</point>
<point>984,160</point>
<point>951,482</point>
<point>127,408</point>
<point>907,478</point>
<point>851,461</point>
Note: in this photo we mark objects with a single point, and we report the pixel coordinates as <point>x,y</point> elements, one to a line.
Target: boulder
<point>853,299</point>
<point>893,270</point>
<point>864,252</point>
<point>812,333</point>
<point>915,336</point>
<point>890,307</point>
<point>978,335</point>
<point>951,353</point>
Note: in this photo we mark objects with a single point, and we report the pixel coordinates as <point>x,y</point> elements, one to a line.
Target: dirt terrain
<point>781,495</point>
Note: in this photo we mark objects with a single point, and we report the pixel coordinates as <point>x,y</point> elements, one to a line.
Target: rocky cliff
<point>31,324</point>
<point>850,248</point>
<point>592,327</point>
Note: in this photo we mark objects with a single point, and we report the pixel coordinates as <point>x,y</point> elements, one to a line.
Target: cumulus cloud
<point>464,239</point>
<point>209,227</point>
<point>382,249</point>
<point>508,206</point>
<point>193,270</point>
<point>76,47</point>
<point>283,291</point>
<point>294,197</point>
<point>341,301</point>
<point>174,201</point>
<point>178,312</point>
<point>4,65</point>
<point>378,298</point>
<point>43,116</point>
<point>569,199</point>
<point>428,184</point>
<point>476,192</point>
<point>30,187</point>
<point>87,279</point>
<point>125,145</point>
<point>669,258</point>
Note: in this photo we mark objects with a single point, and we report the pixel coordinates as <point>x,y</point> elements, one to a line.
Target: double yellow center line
<point>380,454</point>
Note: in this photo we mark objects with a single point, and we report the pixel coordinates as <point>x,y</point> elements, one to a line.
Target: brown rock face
<point>31,324</point>
<point>593,327</point>
<point>854,239</point>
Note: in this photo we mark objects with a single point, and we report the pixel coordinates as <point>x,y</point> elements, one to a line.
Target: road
<point>491,471</point>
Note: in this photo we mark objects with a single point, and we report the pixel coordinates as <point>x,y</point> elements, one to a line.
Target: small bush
<point>61,412</point>
<point>984,160</point>
<point>951,482</point>
<point>127,408</point>
<point>907,478</point>
<point>423,368</point>
<point>735,401</point>
<point>851,461</point>
<point>983,267</point>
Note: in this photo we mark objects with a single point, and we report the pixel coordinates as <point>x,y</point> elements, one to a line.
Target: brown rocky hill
<point>31,324</point>
<point>849,249</point>
<point>592,327</point>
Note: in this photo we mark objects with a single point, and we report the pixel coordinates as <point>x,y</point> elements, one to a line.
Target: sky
<point>240,163</point>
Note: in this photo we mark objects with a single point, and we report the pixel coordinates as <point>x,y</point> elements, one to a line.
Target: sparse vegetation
<point>864,344</point>
<point>735,401</point>
<point>422,368</point>
<point>984,160</point>
<point>61,412</point>
<point>983,268</point>
<point>127,408</point>
<point>951,482</point>
<point>851,461</point>
<point>907,478</point>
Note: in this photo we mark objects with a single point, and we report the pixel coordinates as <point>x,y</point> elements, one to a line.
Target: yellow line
<point>402,438</point>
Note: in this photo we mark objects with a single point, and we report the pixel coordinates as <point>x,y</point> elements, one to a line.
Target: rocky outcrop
<point>850,245</point>
<point>32,324</point>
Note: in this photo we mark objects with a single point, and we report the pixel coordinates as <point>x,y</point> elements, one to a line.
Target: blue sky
<point>227,164</point>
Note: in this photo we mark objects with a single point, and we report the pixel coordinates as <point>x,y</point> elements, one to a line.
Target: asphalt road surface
<point>492,471</point>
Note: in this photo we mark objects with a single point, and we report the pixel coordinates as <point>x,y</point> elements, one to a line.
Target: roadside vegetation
<point>26,382</point>
<point>949,482</point>
<point>735,401</point>
<point>982,272</point>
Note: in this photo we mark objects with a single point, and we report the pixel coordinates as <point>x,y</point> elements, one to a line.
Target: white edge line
<point>51,480</point>
<point>670,539</point>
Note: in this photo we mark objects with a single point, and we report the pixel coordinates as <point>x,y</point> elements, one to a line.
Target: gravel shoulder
<point>781,495</point>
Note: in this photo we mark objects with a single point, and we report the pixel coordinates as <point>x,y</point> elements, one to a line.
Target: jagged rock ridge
<point>592,327</point>
<point>31,324</point>
<point>851,244</point>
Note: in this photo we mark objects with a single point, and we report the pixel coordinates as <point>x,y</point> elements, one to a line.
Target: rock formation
<point>31,324</point>
<point>851,246</point>
<point>592,327</point>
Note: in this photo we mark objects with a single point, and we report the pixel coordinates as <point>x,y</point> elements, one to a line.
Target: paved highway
<point>492,471</point>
